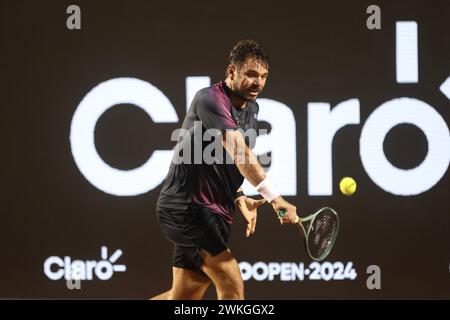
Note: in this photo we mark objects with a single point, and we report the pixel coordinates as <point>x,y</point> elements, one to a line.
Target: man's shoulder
<point>205,94</point>
<point>202,93</point>
<point>210,96</point>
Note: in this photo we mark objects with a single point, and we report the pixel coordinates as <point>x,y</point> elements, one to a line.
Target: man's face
<point>249,78</point>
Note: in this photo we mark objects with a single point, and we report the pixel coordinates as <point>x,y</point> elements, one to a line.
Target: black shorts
<point>192,230</point>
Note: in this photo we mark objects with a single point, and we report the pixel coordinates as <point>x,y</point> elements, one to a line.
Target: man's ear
<point>231,71</point>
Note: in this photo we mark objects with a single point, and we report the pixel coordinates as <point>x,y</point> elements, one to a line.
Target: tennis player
<point>197,201</point>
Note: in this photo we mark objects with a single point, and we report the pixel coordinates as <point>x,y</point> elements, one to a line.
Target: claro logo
<point>56,268</point>
<point>323,122</point>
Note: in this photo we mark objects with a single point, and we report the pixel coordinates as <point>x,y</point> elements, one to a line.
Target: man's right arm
<point>248,165</point>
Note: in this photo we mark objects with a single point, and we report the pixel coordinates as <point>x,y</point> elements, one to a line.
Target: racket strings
<point>322,233</point>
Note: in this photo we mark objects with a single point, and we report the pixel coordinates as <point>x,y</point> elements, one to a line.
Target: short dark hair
<point>244,49</point>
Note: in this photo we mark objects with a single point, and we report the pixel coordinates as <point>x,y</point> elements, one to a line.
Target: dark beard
<point>238,93</point>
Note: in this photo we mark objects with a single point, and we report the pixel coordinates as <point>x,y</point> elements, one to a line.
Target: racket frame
<point>306,229</point>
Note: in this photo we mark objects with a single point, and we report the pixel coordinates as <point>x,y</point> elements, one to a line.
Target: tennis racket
<point>319,230</point>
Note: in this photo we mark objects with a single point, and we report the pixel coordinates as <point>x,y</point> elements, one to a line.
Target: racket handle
<point>282,213</point>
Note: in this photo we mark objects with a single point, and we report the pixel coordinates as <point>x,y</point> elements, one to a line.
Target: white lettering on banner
<point>55,268</point>
<point>381,171</point>
<point>322,125</point>
<point>445,88</point>
<point>292,271</point>
<point>407,57</point>
<point>102,97</point>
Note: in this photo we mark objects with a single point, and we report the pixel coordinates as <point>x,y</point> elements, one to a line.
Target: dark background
<point>319,51</point>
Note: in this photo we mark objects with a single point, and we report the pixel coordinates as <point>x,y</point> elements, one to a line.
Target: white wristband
<point>267,190</point>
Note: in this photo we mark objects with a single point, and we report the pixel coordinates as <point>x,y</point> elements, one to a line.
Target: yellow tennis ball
<point>347,186</point>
